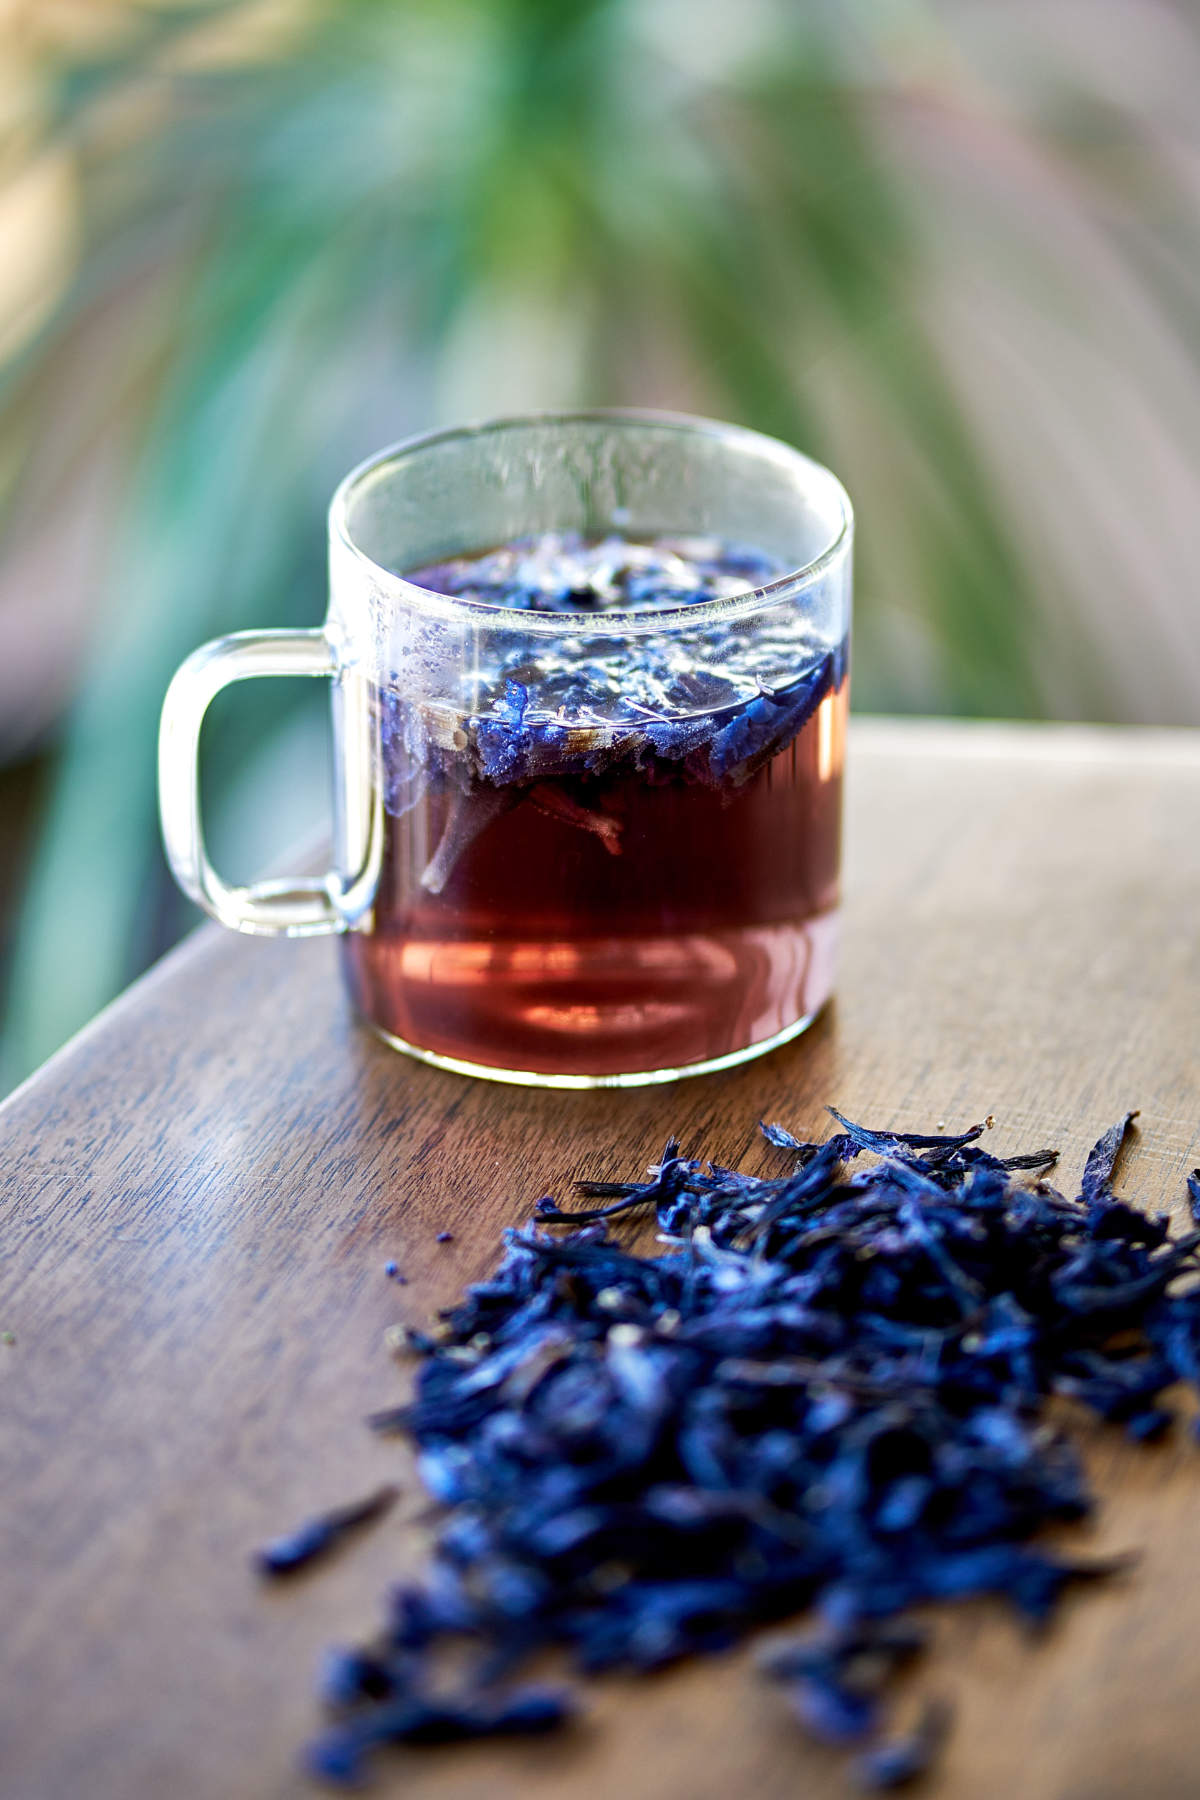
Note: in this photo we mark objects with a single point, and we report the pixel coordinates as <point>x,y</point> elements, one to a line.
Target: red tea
<point>573,882</point>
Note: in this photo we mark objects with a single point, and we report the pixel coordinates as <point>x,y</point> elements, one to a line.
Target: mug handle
<point>303,907</point>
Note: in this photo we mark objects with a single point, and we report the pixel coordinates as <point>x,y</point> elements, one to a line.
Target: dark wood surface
<point>200,1192</point>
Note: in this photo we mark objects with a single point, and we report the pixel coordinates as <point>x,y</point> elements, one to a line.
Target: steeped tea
<point>617,852</point>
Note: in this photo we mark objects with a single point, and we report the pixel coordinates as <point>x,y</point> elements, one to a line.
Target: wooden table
<point>202,1189</point>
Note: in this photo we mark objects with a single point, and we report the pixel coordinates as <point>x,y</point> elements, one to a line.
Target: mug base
<point>635,1078</point>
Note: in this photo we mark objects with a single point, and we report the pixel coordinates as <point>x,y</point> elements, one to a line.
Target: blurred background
<point>948,246</point>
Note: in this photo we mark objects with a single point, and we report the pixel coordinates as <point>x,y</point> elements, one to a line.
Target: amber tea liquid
<point>655,911</point>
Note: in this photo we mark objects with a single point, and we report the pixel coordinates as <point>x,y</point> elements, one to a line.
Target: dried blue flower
<point>569,732</point>
<point>825,1389</point>
<point>340,1755</point>
<point>897,1143</point>
<point>898,1761</point>
<point>783,1139</point>
<point>316,1538</point>
<point>1102,1158</point>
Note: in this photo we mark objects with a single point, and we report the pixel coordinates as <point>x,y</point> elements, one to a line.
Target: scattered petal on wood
<point>320,1535</point>
<point>824,1390</point>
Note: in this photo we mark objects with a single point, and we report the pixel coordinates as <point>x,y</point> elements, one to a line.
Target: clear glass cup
<point>571,849</point>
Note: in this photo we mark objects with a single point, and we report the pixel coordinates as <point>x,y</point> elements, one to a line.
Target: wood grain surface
<point>200,1193</point>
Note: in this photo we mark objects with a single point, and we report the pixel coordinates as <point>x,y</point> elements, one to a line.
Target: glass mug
<point>571,849</point>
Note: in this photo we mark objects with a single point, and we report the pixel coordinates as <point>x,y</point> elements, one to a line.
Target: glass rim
<point>620,621</point>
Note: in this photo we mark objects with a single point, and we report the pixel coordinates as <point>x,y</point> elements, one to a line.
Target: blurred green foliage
<point>305,230</point>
